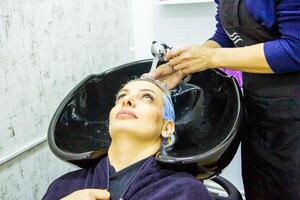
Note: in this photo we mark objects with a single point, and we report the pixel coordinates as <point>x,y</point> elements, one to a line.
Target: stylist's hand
<point>182,62</point>
<point>88,194</point>
<point>167,74</point>
<point>191,59</point>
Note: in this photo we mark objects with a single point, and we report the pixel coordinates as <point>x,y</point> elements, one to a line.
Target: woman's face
<point>138,111</point>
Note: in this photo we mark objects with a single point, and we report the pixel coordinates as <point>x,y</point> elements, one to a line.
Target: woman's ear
<point>168,129</point>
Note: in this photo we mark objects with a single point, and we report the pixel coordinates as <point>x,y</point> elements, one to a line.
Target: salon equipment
<point>158,50</point>
<point>208,112</point>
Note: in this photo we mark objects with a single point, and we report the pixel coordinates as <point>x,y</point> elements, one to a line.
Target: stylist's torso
<point>271,147</point>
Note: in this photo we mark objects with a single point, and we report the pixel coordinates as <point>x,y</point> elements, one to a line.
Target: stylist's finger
<point>162,70</point>
<point>101,194</point>
<point>173,80</point>
<point>185,56</point>
<point>182,66</point>
<point>174,53</point>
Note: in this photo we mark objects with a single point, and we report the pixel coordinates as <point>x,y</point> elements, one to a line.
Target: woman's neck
<point>125,152</point>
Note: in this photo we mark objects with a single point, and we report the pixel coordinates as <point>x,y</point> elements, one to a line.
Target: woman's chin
<point>124,127</point>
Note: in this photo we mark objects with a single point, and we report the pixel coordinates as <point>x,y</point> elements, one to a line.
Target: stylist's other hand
<point>88,194</point>
<point>191,59</point>
<point>182,62</point>
<point>166,74</point>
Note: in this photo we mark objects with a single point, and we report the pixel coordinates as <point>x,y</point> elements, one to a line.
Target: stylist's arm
<point>210,55</point>
<point>88,194</point>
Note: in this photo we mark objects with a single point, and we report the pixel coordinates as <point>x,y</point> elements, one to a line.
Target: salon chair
<point>208,110</point>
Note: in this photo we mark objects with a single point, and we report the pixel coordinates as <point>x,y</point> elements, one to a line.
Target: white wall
<point>46,48</point>
<point>177,25</point>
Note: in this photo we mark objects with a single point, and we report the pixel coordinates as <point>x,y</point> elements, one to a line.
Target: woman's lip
<point>126,112</point>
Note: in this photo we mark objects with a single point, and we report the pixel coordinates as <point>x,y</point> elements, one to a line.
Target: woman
<point>265,35</point>
<point>142,118</point>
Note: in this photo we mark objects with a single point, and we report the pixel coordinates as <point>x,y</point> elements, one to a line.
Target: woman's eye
<point>119,96</point>
<point>148,96</point>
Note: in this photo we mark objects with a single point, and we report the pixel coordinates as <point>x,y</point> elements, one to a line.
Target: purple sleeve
<point>223,40</point>
<point>66,184</point>
<point>220,36</point>
<point>56,191</point>
<point>283,54</point>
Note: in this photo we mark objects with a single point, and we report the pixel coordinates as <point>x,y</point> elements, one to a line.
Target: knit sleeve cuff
<point>280,56</point>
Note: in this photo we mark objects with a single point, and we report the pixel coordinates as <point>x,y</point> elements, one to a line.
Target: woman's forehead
<point>142,85</point>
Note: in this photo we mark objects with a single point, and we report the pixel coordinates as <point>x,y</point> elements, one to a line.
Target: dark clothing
<point>283,16</point>
<point>271,144</point>
<point>271,148</point>
<point>121,180</point>
<point>152,182</point>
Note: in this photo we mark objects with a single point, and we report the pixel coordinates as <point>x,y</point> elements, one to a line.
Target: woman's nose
<point>128,100</point>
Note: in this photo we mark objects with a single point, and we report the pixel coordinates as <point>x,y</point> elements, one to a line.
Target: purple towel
<point>236,74</point>
<point>152,182</point>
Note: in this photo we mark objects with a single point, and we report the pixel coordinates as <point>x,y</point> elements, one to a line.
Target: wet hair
<point>168,110</point>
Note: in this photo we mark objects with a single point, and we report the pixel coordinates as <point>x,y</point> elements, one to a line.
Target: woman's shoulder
<point>75,180</point>
<point>73,176</point>
<point>167,183</point>
<point>65,184</point>
<point>182,179</point>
